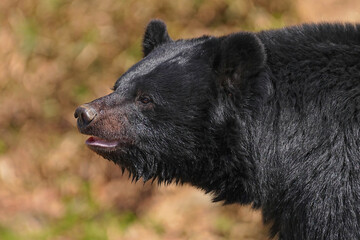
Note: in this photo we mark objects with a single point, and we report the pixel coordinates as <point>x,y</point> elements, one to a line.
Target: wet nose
<point>85,114</point>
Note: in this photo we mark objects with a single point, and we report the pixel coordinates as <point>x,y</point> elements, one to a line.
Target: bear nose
<point>85,114</point>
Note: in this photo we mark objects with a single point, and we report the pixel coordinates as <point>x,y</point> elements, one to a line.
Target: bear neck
<point>233,172</point>
<point>231,176</point>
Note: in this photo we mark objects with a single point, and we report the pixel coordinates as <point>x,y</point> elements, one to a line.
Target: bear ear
<point>240,56</point>
<point>155,35</point>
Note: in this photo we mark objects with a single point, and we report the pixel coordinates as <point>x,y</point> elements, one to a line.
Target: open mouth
<point>101,143</point>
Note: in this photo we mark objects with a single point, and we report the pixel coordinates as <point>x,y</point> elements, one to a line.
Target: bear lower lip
<point>102,143</point>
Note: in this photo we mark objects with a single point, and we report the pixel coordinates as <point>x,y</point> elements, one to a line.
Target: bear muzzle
<point>90,121</point>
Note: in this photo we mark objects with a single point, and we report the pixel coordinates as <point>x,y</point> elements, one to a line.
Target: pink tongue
<point>98,142</point>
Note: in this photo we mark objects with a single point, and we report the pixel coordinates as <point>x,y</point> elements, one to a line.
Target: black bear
<point>270,119</point>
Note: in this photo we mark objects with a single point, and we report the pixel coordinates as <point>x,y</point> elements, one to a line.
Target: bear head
<point>171,115</point>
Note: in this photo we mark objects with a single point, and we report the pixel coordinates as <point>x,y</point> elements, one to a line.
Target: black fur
<point>155,35</point>
<point>269,119</point>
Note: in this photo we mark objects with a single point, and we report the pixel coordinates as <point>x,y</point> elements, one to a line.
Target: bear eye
<point>145,99</point>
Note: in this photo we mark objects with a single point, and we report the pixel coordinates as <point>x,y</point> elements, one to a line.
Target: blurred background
<point>58,54</point>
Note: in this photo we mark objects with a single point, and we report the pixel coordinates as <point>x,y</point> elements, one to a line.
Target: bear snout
<point>85,114</point>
